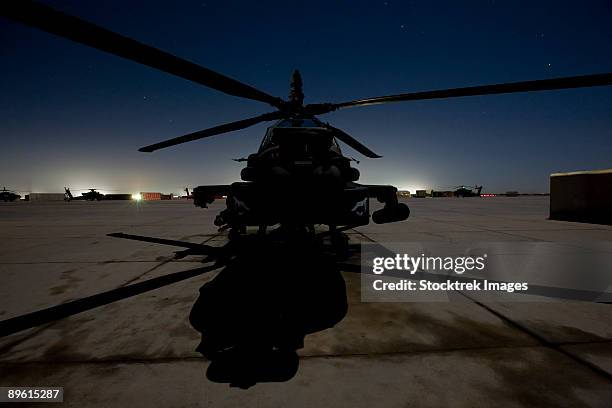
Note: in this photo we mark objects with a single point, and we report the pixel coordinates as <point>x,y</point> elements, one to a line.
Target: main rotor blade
<point>227,127</point>
<point>352,142</point>
<point>70,27</point>
<point>511,87</point>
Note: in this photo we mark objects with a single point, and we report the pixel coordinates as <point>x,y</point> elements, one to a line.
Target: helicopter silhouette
<point>299,177</point>
<point>467,191</point>
<point>8,195</point>
<point>91,195</point>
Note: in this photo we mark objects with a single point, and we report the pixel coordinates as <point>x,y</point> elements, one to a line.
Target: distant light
<point>488,195</point>
<point>136,196</point>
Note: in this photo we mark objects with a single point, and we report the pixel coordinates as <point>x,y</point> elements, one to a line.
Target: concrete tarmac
<point>126,339</point>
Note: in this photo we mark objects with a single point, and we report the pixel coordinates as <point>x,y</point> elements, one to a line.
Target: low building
<point>151,196</point>
<point>582,196</point>
<point>442,193</point>
<point>118,197</point>
<point>46,197</point>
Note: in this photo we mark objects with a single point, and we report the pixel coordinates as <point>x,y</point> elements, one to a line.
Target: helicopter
<point>91,195</point>
<point>299,177</point>
<point>8,195</point>
<point>467,191</point>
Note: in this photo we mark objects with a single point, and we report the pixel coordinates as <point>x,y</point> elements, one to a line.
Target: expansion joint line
<point>540,338</point>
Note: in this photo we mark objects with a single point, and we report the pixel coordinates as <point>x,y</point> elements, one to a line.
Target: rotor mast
<point>296,94</point>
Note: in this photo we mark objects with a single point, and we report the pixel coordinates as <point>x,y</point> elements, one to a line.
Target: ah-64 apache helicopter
<point>467,191</point>
<point>89,195</point>
<point>8,195</point>
<point>299,176</point>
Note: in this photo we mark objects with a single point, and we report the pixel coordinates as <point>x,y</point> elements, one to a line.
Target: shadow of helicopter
<point>272,291</point>
<point>255,314</point>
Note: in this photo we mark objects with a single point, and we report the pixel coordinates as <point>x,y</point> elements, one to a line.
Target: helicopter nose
<point>328,176</point>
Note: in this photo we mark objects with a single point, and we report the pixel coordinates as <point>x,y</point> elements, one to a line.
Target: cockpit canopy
<point>302,138</point>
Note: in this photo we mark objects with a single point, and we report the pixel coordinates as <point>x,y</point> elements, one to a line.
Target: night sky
<point>74,116</point>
